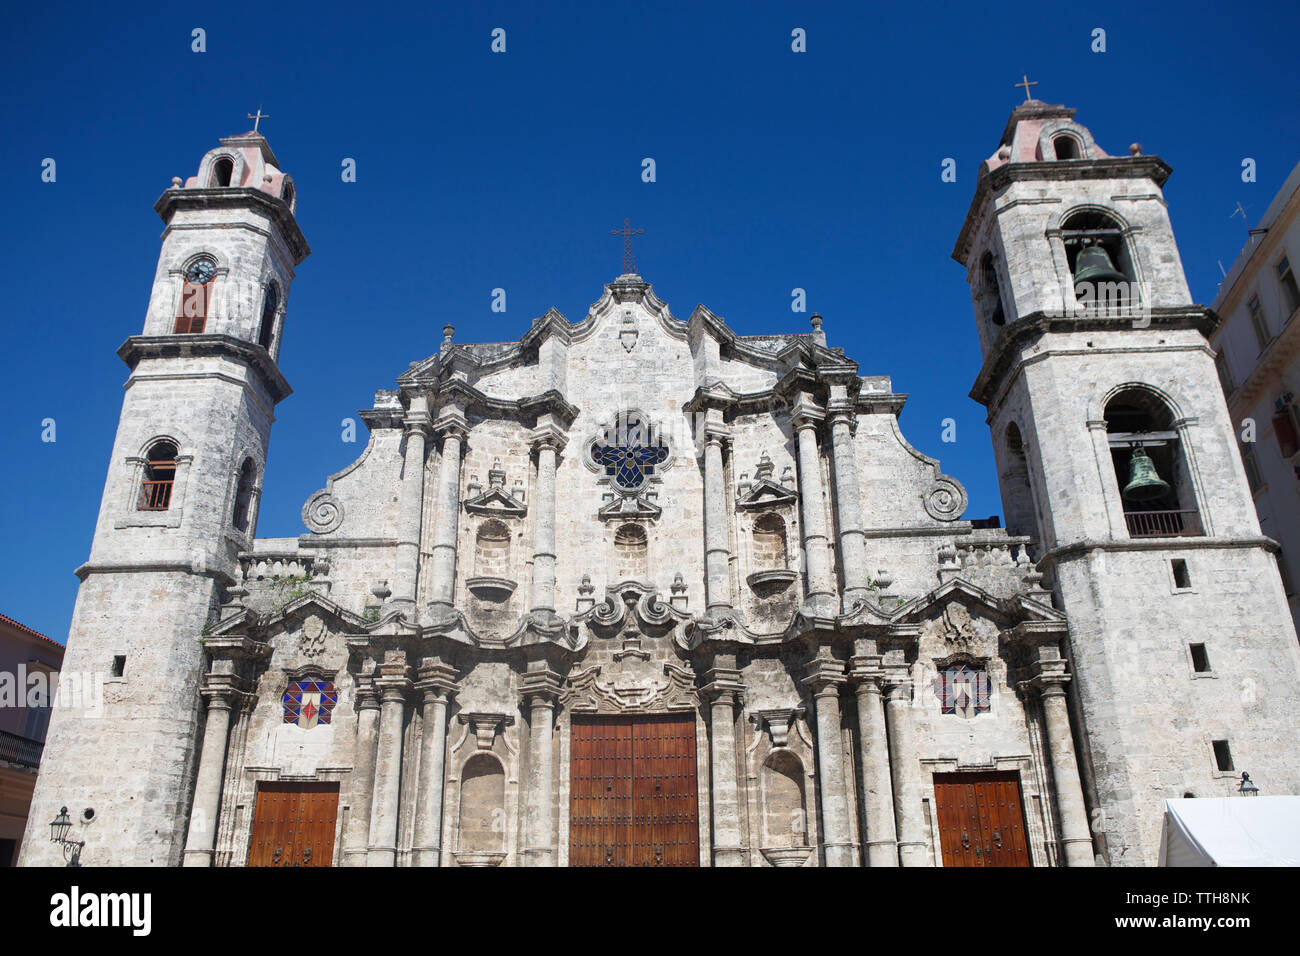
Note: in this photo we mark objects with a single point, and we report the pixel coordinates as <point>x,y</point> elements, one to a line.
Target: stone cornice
<point>1152,168</point>
<point>1006,348</point>
<point>1180,544</point>
<point>238,198</point>
<point>139,347</point>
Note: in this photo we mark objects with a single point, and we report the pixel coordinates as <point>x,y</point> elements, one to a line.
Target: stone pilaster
<point>436,685</point>
<point>725,691</point>
<point>825,678</point>
<point>879,842</point>
<point>818,584</point>
<point>356,838</point>
<point>1076,839</point>
<point>717,553</point>
<point>393,687</point>
<point>905,770</point>
<point>410,508</point>
<point>548,442</point>
<point>848,500</point>
<point>443,553</point>
<point>207,788</point>
<point>540,690</point>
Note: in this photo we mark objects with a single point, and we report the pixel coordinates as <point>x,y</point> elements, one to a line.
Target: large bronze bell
<point>1144,483</point>
<point>1094,265</point>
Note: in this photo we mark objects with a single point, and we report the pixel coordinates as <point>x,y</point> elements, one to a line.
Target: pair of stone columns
<point>725,692</point>
<point>1076,836</point>
<point>201,839</point>
<point>410,505</point>
<point>540,690</point>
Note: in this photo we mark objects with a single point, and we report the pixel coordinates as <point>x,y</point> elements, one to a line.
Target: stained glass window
<point>309,702</point>
<point>629,453</point>
<point>963,690</point>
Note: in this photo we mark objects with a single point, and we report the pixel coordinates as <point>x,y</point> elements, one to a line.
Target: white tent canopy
<point>1231,831</point>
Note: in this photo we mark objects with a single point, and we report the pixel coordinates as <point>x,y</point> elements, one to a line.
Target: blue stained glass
<point>630,459</point>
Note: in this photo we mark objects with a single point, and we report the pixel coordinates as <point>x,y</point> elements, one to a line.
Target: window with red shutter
<point>1284,427</point>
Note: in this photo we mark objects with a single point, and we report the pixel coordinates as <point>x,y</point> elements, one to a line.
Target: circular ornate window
<point>629,452</point>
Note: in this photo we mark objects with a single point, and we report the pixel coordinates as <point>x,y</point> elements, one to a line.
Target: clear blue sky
<point>475,171</point>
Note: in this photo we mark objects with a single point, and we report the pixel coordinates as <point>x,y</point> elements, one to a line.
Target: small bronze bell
<point>1094,265</point>
<point>1144,484</point>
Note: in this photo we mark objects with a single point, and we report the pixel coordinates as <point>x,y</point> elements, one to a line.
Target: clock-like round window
<point>201,271</point>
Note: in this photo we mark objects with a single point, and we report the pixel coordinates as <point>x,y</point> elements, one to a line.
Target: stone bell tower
<point>1115,452</point>
<point>179,504</point>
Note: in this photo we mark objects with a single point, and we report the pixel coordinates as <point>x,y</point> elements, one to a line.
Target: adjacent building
<point>29,667</point>
<point>1257,352</point>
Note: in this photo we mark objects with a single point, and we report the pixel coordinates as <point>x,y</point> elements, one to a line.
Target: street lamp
<point>1246,788</point>
<point>59,828</point>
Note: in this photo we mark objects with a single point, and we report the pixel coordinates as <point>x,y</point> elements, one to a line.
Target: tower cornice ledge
<point>242,197</point>
<point>139,347</point>
<point>1076,549</point>
<point>1005,349</point>
<point>1151,168</point>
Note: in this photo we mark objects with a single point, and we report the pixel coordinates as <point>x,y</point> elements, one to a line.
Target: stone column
<point>207,787</point>
<point>548,446</point>
<point>388,771</point>
<point>879,844</point>
<point>357,838</point>
<point>848,503</point>
<point>906,773</point>
<point>1076,838</point>
<point>443,553</point>
<point>410,508</point>
<point>717,554</point>
<point>825,679</point>
<point>437,687</point>
<point>725,690</point>
<point>819,586</point>
<point>540,690</point>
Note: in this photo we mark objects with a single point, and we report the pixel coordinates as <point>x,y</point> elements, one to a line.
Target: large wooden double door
<point>293,824</point>
<point>633,796</point>
<point>981,822</point>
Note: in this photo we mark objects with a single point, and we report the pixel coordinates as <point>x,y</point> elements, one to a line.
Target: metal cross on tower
<point>258,118</point>
<point>627,232</point>
<point>1026,83</point>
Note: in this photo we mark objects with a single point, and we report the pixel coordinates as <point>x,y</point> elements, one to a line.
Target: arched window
<point>482,798</point>
<point>492,550</point>
<point>1150,466</point>
<point>222,170</point>
<point>1099,260</point>
<point>288,194</point>
<point>1066,147</point>
<point>963,690</point>
<point>196,296</point>
<point>1017,491</point>
<point>244,495</point>
<point>309,702</point>
<point>992,290</point>
<point>630,548</point>
<point>159,476</point>
<point>770,552</point>
<point>269,306</point>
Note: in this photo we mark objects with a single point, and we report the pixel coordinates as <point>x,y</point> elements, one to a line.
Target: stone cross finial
<point>258,118</point>
<point>1026,83</point>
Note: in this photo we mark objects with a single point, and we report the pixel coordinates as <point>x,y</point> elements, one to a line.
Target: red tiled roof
<point>27,630</point>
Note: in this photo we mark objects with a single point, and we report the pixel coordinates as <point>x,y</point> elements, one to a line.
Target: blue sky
<point>476,170</point>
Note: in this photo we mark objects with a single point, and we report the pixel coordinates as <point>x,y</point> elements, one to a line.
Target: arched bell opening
<point>1101,267</point>
<point>1150,466</point>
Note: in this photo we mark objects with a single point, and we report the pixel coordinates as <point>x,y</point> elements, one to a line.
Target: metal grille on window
<point>630,454</point>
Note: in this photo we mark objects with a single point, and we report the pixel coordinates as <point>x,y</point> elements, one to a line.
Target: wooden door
<point>293,824</point>
<point>981,821</point>
<point>633,797</point>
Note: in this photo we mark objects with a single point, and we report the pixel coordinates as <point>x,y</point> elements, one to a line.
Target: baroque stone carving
<point>315,632</point>
<point>946,501</point>
<point>322,513</point>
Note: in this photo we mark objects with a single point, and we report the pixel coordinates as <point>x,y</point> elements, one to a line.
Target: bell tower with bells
<point>1116,455</point>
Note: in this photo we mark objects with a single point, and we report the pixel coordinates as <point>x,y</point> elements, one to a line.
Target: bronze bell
<point>1094,265</point>
<point>1144,483</point>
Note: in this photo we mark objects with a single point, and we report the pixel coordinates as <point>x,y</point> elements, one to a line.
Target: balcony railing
<point>20,750</point>
<point>156,495</point>
<point>1163,524</point>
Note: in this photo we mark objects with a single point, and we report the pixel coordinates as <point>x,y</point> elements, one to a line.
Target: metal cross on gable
<point>1026,82</point>
<point>627,232</point>
<point>258,118</point>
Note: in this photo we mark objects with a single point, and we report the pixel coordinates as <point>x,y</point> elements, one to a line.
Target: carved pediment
<point>629,507</point>
<point>632,683</point>
<point>767,493</point>
<point>496,501</point>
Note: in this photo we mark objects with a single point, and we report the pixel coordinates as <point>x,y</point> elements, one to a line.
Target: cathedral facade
<point>639,590</point>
